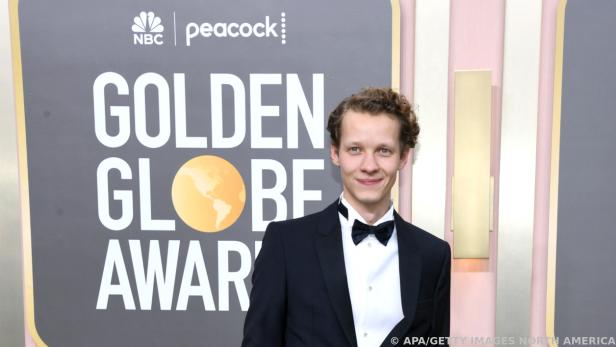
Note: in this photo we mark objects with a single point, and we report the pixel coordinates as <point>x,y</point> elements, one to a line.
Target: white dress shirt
<point>373,275</point>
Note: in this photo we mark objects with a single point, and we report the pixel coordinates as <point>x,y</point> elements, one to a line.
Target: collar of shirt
<point>353,214</point>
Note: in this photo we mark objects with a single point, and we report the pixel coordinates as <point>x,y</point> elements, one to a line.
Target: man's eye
<point>354,149</point>
<point>385,151</point>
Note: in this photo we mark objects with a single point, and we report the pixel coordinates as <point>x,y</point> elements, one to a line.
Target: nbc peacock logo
<point>147,29</point>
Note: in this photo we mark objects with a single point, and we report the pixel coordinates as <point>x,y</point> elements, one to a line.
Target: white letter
<point>220,30</point>
<point>191,33</point>
<point>259,193</point>
<point>247,32</point>
<point>194,260</point>
<point>300,195</point>
<point>225,276</point>
<point>232,29</point>
<point>258,30</point>
<point>296,100</point>
<point>179,101</point>
<point>239,102</point>
<point>258,111</point>
<point>124,196</point>
<point>206,29</point>
<point>145,201</point>
<point>114,260</point>
<point>164,283</point>
<point>269,29</point>
<point>122,112</point>
<point>164,111</point>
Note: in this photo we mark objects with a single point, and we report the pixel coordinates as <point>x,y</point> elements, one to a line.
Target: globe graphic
<point>208,193</point>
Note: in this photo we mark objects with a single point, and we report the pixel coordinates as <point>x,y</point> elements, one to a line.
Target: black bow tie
<point>361,230</point>
<point>382,231</point>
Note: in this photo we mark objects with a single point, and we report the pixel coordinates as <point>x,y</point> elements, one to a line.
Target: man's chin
<point>369,201</point>
<point>366,197</point>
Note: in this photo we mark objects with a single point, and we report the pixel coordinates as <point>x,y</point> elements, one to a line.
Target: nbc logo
<point>147,29</point>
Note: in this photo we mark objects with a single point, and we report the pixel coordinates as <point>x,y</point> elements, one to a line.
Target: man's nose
<point>369,163</point>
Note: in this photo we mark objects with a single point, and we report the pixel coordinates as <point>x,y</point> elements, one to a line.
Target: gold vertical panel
<point>471,171</point>
<point>11,309</point>
<point>550,309</point>
<point>22,164</point>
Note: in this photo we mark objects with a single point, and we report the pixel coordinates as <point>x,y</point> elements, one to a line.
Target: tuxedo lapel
<point>331,258</point>
<point>410,275</point>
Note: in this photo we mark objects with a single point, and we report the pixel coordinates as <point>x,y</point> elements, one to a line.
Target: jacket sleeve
<point>265,321</point>
<point>441,305</point>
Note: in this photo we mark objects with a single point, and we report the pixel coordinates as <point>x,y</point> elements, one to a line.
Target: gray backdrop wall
<point>161,138</point>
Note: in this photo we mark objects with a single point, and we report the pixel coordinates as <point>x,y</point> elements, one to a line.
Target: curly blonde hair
<point>376,101</point>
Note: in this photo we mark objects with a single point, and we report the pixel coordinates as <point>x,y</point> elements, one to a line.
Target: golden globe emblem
<point>208,193</point>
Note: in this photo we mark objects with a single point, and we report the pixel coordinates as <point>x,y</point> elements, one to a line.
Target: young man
<point>354,274</point>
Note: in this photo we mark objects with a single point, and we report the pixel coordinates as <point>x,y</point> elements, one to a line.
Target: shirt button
<point>369,288</point>
<point>369,244</point>
<point>365,334</point>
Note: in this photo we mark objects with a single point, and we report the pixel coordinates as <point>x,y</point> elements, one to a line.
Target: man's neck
<point>370,214</point>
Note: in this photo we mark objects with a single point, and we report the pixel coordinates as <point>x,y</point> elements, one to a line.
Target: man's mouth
<point>369,181</point>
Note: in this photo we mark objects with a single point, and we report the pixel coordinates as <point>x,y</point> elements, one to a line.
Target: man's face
<point>369,158</point>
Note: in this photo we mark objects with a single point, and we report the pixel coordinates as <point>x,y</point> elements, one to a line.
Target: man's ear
<point>333,154</point>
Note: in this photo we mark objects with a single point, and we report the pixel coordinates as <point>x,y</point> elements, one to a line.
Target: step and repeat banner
<point>161,138</point>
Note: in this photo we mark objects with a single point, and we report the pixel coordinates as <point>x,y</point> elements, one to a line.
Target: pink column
<point>542,180</point>
<point>407,63</point>
<point>476,42</point>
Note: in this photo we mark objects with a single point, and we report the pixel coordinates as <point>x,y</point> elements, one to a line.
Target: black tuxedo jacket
<point>300,295</point>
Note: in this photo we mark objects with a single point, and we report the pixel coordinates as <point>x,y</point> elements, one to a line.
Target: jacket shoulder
<point>299,221</point>
<point>307,223</point>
